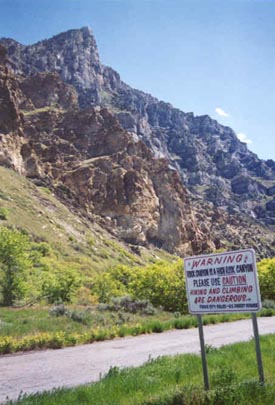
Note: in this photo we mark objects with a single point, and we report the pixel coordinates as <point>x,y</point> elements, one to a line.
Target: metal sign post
<point>203,354</point>
<point>258,349</point>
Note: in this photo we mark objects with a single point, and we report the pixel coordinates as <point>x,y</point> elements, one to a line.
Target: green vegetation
<point>53,107</point>
<point>3,213</point>
<point>38,213</point>
<point>59,326</point>
<point>162,283</point>
<point>178,381</point>
<point>266,271</point>
<point>49,256</point>
<point>14,264</point>
<point>134,299</point>
<point>33,272</point>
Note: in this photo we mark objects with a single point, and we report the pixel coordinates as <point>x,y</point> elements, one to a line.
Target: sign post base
<point>203,354</point>
<point>258,349</point>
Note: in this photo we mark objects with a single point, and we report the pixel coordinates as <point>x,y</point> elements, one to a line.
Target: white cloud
<point>221,112</point>
<point>243,138</point>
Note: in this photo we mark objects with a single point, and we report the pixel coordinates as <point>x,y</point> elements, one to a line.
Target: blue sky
<point>213,57</point>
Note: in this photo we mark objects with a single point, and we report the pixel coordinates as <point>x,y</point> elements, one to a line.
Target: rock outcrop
<point>11,119</point>
<point>94,165</point>
<point>149,172</point>
<point>211,161</point>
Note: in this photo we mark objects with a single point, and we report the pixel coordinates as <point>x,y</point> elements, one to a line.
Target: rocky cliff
<point>211,161</point>
<point>94,165</point>
<point>198,158</point>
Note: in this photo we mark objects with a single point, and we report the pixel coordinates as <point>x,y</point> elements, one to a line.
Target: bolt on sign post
<point>223,282</point>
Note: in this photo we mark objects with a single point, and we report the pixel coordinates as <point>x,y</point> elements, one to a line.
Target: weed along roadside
<point>78,333</point>
<point>129,304</point>
<point>86,364</point>
<point>32,372</point>
<point>223,283</point>
<point>160,381</point>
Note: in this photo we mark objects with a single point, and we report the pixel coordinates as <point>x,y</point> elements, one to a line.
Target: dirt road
<point>44,370</point>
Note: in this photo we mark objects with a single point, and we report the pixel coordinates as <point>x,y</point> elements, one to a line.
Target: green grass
<point>37,211</point>
<point>178,380</point>
<point>21,322</point>
<point>36,328</point>
<point>41,110</point>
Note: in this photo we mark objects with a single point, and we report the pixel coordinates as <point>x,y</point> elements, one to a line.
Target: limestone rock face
<point>11,120</point>
<point>73,55</point>
<point>116,180</point>
<point>94,165</point>
<point>45,90</point>
<point>212,162</point>
<point>150,173</point>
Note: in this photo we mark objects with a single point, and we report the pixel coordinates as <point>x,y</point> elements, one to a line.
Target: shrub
<point>14,263</point>
<point>3,213</point>
<point>84,296</point>
<point>76,315</point>
<point>163,284</point>
<point>43,248</point>
<point>267,312</point>
<point>184,323</point>
<point>103,307</point>
<point>6,345</point>
<point>269,304</point>
<point>122,318</point>
<point>58,310</point>
<point>128,304</point>
<point>60,282</point>
<point>266,273</point>
<point>57,341</point>
<point>177,314</point>
<point>158,327</point>
<point>107,286</point>
<point>79,316</point>
<point>160,283</point>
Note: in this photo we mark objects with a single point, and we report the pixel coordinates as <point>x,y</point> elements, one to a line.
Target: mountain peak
<point>86,30</point>
<point>76,34</point>
<point>72,54</point>
<point>213,164</point>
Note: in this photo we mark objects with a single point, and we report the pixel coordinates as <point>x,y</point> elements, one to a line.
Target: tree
<point>14,261</point>
<point>59,280</point>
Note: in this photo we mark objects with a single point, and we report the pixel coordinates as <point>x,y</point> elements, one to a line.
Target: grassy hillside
<point>38,212</point>
<point>56,257</point>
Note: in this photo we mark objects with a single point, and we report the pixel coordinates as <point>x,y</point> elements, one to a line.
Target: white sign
<point>222,282</point>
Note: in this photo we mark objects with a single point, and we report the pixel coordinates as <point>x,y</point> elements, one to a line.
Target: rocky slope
<point>211,161</point>
<point>96,165</point>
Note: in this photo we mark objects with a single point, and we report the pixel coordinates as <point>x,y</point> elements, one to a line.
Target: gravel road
<point>38,371</point>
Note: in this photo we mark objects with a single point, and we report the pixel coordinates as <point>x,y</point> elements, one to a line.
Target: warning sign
<point>222,282</point>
